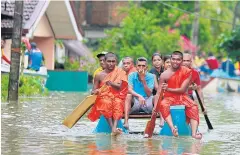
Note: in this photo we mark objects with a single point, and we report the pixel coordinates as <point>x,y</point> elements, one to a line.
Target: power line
<point>196,14</point>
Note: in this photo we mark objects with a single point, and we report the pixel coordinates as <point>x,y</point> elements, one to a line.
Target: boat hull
<point>223,85</point>
<point>179,120</point>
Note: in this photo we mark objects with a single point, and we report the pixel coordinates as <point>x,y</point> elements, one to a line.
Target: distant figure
<point>212,62</point>
<point>2,52</point>
<point>237,66</point>
<point>228,67</point>
<point>35,57</point>
<point>128,65</point>
<point>101,58</point>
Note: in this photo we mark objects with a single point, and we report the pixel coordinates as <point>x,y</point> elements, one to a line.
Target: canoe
<point>42,72</point>
<point>178,116</point>
<point>179,120</point>
<point>219,81</point>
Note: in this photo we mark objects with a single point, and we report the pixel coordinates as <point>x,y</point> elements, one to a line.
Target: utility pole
<point>15,53</point>
<point>196,23</point>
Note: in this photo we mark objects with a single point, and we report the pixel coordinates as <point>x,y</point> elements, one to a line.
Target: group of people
<point>208,64</point>
<point>133,89</point>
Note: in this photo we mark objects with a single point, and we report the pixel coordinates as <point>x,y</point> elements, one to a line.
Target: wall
<point>115,17</point>
<point>43,28</point>
<point>101,13</point>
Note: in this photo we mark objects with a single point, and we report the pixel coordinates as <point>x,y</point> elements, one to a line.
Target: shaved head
<point>127,63</point>
<point>187,60</point>
<point>128,58</point>
<point>110,54</point>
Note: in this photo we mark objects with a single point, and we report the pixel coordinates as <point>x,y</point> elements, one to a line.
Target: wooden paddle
<point>151,123</point>
<point>205,115</point>
<point>80,110</point>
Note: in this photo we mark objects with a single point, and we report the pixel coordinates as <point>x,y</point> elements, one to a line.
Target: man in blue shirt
<point>35,57</point>
<point>140,87</point>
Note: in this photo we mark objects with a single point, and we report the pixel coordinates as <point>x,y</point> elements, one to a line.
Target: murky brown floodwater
<point>34,127</point>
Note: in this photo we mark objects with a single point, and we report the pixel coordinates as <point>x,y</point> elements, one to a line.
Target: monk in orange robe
<point>174,82</point>
<point>111,87</point>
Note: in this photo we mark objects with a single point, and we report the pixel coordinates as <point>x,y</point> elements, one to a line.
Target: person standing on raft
<point>111,97</point>
<point>174,82</point>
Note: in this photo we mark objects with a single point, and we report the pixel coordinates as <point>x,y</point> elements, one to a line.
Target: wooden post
<point>15,53</point>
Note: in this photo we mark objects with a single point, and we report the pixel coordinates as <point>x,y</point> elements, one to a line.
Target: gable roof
<point>32,13</point>
<point>7,9</point>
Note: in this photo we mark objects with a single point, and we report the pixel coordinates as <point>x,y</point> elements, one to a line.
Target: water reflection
<point>35,127</point>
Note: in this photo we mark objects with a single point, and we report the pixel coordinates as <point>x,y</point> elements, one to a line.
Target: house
<point>44,22</point>
<point>97,16</point>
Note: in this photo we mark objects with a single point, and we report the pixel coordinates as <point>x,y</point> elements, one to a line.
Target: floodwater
<point>34,127</point>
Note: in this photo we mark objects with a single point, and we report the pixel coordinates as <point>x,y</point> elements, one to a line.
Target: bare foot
<point>197,136</point>
<point>126,126</point>
<point>116,132</point>
<point>161,123</point>
<point>175,131</point>
<point>145,136</point>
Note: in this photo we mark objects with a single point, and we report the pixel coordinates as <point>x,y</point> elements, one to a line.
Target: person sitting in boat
<point>212,62</point>
<point>101,58</point>
<point>166,62</point>
<point>35,57</point>
<point>128,65</point>
<point>111,97</point>
<point>228,67</point>
<point>195,83</point>
<point>141,84</point>
<point>174,82</point>
<point>237,66</point>
<point>157,70</point>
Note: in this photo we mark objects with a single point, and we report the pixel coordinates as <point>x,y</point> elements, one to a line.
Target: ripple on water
<point>35,127</point>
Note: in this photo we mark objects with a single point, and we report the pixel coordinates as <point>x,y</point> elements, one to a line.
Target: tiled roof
<point>7,8</point>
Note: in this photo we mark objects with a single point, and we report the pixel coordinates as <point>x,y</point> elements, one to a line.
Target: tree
<point>139,35</point>
<point>215,18</point>
<point>230,43</point>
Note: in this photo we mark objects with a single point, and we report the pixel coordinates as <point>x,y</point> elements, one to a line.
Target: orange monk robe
<point>110,102</point>
<point>171,99</point>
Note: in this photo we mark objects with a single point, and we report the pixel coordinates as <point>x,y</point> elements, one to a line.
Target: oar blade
<point>79,111</point>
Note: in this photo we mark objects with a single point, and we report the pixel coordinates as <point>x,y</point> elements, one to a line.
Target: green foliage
<point>230,42</point>
<point>139,35</point>
<point>209,30</point>
<point>59,42</point>
<point>72,65</point>
<point>86,66</point>
<point>28,86</point>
